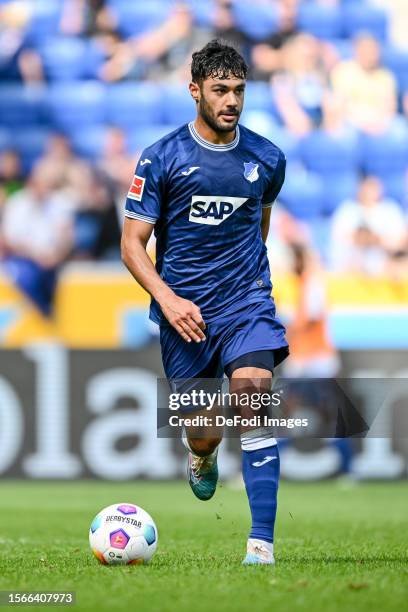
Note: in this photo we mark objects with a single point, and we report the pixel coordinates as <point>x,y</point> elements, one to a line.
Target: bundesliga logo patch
<point>136,188</point>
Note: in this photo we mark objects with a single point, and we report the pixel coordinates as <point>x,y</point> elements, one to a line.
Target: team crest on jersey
<point>213,210</point>
<point>251,171</point>
<point>136,188</point>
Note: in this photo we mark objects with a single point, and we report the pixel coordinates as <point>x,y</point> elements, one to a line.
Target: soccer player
<point>207,190</point>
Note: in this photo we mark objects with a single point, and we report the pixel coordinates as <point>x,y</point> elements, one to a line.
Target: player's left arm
<point>265,222</point>
<point>271,193</point>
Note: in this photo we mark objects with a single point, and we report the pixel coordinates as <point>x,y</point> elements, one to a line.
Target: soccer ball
<point>123,534</point>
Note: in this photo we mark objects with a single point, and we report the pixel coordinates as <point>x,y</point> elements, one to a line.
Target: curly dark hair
<point>217,60</point>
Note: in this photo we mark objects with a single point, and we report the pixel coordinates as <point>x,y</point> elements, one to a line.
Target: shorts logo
<point>213,210</point>
<point>136,188</point>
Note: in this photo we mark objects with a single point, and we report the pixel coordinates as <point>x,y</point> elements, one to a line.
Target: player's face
<point>220,103</point>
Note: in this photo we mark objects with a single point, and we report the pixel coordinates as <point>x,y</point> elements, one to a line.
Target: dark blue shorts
<point>252,336</point>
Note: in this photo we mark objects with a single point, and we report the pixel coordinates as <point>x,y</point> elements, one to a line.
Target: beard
<point>213,121</point>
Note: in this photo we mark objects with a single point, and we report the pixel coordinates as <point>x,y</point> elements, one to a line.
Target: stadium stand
<point>78,67</point>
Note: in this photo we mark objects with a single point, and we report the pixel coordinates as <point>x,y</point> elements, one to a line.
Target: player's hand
<point>185,317</point>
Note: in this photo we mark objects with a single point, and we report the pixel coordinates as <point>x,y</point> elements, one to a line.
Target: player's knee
<point>204,446</point>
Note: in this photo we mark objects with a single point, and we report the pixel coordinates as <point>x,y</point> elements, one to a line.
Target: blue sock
<point>260,469</point>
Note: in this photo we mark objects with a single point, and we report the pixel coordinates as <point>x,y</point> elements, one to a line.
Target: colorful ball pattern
<point>123,534</point>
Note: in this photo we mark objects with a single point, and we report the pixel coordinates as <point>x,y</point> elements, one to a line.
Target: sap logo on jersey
<point>213,210</point>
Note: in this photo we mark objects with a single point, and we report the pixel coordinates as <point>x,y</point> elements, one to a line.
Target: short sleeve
<point>276,182</point>
<point>144,198</point>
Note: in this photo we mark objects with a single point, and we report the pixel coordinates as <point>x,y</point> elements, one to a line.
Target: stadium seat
<point>262,123</point>
<point>131,104</point>
<point>385,154</point>
<point>344,48</point>
<point>177,106</point>
<point>135,18</point>
<point>203,12</point>
<point>322,21</point>
<point>361,16</point>
<point>320,233</point>
<point>69,59</point>
<point>396,186</point>
<point>397,61</point>
<point>6,140</point>
<point>336,160</point>
<point>142,137</point>
<point>259,97</point>
<point>286,141</point>
<point>89,142</point>
<point>22,105</point>
<point>30,144</point>
<point>73,106</point>
<point>324,153</point>
<point>257,19</point>
<point>303,194</point>
<point>338,187</point>
<point>46,18</point>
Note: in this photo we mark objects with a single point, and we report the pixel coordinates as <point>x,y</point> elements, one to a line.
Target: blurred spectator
<point>367,88</point>
<point>115,161</point>
<point>19,59</point>
<point>364,232</point>
<point>96,229</point>
<point>37,233</point>
<point>86,17</point>
<point>10,171</point>
<point>153,54</point>
<point>285,231</point>
<point>267,57</point>
<point>312,354</point>
<point>300,86</point>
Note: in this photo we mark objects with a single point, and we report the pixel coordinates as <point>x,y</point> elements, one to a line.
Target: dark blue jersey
<point>206,202</point>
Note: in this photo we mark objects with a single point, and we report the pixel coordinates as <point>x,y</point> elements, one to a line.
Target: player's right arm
<point>182,314</point>
<point>141,213</point>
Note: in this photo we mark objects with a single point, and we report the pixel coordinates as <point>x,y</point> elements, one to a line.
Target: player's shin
<point>260,469</point>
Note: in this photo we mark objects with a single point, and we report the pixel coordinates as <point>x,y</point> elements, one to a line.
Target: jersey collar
<point>211,146</point>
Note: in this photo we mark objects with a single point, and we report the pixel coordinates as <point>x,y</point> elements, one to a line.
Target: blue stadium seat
<point>338,187</point>
<point>323,153</point>
<point>6,139</point>
<point>177,106</point>
<point>303,194</point>
<point>336,160</point>
<point>133,104</point>
<point>320,20</point>
<point>320,232</point>
<point>89,142</point>
<point>45,20</point>
<point>203,12</point>
<point>396,186</point>
<point>142,137</point>
<point>69,59</point>
<point>77,105</point>
<point>344,47</point>
<point>20,106</point>
<point>257,19</point>
<point>30,143</point>
<point>385,154</point>
<point>286,141</point>
<point>138,17</point>
<point>361,16</point>
<point>397,61</point>
<point>259,96</point>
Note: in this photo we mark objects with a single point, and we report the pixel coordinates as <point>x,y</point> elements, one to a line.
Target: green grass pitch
<point>338,547</point>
